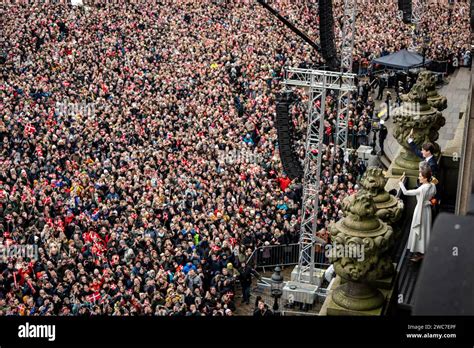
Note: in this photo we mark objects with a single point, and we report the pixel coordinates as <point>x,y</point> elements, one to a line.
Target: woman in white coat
<point>421,224</point>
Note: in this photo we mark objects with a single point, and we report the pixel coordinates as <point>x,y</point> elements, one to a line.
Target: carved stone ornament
<point>415,113</point>
<point>434,99</point>
<point>359,242</point>
<point>387,207</point>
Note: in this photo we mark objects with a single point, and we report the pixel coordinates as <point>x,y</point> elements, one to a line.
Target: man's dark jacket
<point>432,162</point>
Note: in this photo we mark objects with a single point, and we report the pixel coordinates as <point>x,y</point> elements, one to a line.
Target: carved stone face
<point>418,93</point>
<point>363,206</point>
<point>373,180</point>
<point>428,79</point>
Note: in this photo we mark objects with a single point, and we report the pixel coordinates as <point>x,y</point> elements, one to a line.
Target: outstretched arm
<point>414,148</point>
<point>409,192</point>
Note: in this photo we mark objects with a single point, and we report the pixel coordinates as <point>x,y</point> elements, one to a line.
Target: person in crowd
<point>245,279</point>
<point>383,132</point>
<point>382,84</point>
<point>262,310</point>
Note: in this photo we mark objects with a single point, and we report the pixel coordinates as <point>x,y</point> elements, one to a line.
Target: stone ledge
<point>330,308</point>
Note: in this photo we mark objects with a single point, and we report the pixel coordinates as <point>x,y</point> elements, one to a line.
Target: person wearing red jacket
<point>284,182</point>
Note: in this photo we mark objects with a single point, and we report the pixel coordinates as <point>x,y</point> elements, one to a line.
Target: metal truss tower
<point>416,18</point>
<point>316,83</point>
<point>417,11</point>
<point>348,35</point>
<point>344,96</point>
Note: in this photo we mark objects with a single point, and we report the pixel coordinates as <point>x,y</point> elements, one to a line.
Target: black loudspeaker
<point>406,7</point>
<point>326,33</point>
<point>445,284</point>
<point>289,160</point>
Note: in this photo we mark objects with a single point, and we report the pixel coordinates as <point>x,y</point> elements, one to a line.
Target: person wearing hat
<point>233,272</point>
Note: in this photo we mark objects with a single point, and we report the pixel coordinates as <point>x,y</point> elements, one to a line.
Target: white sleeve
<point>409,192</point>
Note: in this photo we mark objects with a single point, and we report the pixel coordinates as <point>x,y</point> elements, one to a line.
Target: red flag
<point>94,297</point>
<point>29,129</point>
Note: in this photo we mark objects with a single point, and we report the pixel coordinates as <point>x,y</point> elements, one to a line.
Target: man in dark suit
<point>382,85</point>
<point>426,153</point>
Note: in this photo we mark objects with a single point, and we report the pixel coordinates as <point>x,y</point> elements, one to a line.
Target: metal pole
<point>318,171</point>
<point>424,54</point>
<point>275,304</point>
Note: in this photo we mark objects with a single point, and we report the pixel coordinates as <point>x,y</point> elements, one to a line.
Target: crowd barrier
<point>283,255</point>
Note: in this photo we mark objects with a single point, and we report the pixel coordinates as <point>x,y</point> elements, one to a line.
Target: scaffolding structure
<point>416,18</point>
<point>417,11</point>
<point>316,83</point>
<point>344,96</point>
<point>348,33</point>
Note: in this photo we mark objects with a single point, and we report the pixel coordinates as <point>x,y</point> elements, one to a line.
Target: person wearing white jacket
<point>422,218</point>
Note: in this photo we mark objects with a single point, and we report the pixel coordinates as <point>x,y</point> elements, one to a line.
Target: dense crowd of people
<point>444,30</point>
<point>381,31</point>
<point>116,127</point>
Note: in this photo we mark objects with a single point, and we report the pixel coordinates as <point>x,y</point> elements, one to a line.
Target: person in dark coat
<point>245,279</point>
<point>383,132</point>
<point>382,85</point>
<point>262,310</point>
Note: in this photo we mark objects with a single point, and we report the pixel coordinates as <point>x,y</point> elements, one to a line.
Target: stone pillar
<point>360,241</point>
<point>418,114</point>
<point>434,99</point>
<point>388,208</point>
